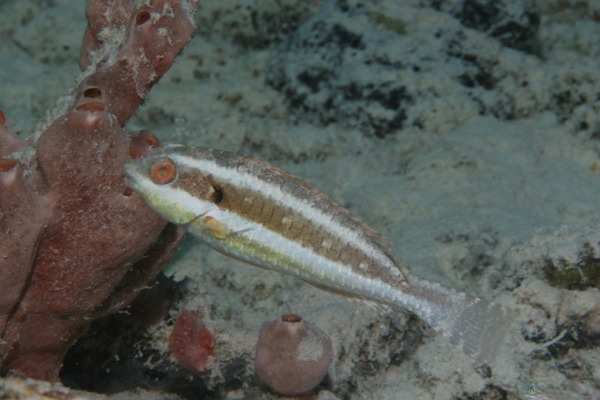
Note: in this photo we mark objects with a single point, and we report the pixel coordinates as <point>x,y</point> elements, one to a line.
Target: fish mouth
<point>129,176</point>
<point>128,181</point>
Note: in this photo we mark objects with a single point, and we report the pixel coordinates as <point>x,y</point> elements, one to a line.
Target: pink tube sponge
<point>292,355</point>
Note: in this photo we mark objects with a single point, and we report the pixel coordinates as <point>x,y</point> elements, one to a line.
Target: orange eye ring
<point>164,171</point>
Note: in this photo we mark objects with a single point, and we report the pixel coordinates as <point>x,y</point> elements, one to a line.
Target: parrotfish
<point>251,210</point>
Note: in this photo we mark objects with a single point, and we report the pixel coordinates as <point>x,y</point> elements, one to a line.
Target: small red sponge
<point>292,355</point>
<point>192,344</point>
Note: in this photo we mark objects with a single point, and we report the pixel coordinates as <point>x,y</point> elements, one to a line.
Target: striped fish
<point>535,393</point>
<point>256,212</point>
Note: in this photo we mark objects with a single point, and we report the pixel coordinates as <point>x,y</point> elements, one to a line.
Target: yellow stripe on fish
<point>251,210</point>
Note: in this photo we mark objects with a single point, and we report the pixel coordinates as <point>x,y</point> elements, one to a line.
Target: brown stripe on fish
<point>269,204</point>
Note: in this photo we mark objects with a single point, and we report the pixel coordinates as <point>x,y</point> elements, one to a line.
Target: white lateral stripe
<point>168,193</point>
<point>274,193</point>
<point>312,265</point>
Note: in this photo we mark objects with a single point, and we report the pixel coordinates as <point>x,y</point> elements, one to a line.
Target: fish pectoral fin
<point>215,227</point>
<point>209,224</point>
<point>190,222</point>
<point>241,231</point>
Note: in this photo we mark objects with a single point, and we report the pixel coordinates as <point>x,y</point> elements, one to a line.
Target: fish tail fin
<point>475,326</point>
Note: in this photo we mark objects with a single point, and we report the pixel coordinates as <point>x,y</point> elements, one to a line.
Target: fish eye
<point>164,171</point>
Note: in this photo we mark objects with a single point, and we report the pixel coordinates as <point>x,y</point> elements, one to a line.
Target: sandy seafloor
<point>490,186</point>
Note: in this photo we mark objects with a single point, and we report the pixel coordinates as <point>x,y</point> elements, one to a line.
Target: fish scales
<point>272,189</point>
<point>256,212</point>
<point>251,206</point>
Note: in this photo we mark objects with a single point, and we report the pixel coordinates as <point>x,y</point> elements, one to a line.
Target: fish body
<point>256,212</point>
<point>533,392</point>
